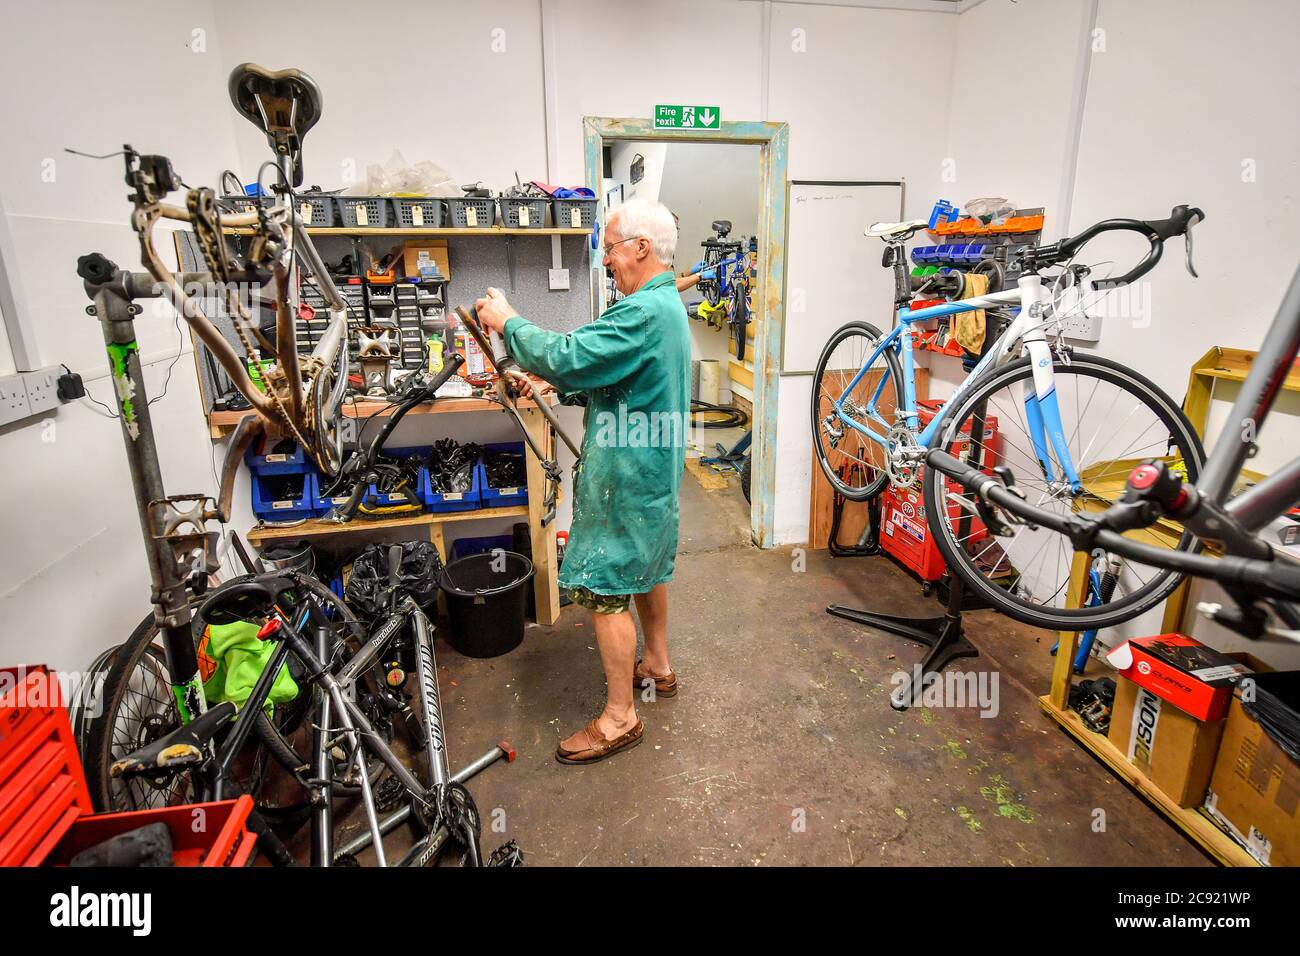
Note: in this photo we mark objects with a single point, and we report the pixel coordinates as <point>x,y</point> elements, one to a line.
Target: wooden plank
<point>709,479</point>
<point>545,563</point>
<point>222,423</point>
<point>740,374</point>
<point>441,231</point>
<point>317,528</point>
<point>821,498</point>
<point>1192,822</point>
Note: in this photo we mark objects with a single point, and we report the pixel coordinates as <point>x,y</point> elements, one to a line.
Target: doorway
<point>637,141</point>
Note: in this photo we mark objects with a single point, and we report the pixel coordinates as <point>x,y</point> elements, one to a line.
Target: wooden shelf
<point>318,528</point>
<point>221,424</point>
<point>440,231</point>
<point>1192,822</point>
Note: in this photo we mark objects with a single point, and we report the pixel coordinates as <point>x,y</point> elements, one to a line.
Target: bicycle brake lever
<point>1187,244</point>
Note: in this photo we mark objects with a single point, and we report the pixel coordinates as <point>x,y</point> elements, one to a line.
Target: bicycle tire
<point>894,370</point>
<point>956,557</point>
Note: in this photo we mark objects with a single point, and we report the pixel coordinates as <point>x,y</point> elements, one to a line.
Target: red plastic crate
<point>203,834</point>
<point>42,786</point>
<point>905,532</point>
<point>45,810</point>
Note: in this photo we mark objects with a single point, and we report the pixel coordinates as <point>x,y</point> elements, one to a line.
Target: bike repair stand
<point>943,635</point>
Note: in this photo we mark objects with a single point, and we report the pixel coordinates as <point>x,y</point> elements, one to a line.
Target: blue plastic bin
<point>464,547</point>
<point>502,497</point>
<point>268,506</point>
<point>262,459</point>
<point>452,501</point>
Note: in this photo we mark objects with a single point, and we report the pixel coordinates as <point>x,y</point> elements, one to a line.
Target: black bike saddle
<point>247,598</point>
<point>183,748</point>
<point>722,227</point>
<point>284,104</point>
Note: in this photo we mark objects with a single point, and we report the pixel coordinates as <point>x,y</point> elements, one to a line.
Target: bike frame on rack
<point>1042,413</point>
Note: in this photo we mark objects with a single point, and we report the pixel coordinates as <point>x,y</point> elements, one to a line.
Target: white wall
<point>73,578</point>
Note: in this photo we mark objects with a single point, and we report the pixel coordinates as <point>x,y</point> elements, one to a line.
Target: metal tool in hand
<point>495,351</point>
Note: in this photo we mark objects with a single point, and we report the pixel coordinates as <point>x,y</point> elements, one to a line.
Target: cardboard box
<point>1181,670</point>
<point>1255,791</point>
<point>434,250</point>
<point>1175,750</point>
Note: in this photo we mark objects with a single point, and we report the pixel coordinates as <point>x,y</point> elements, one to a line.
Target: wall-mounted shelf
<point>442,231</point>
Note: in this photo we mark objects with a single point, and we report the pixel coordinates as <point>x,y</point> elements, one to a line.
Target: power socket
<point>13,400</point>
<point>559,280</point>
<point>42,389</point>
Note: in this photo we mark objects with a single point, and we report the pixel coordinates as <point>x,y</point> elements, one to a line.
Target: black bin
<point>486,598</point>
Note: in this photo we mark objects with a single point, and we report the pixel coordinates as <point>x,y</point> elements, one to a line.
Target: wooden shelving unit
<point>545,586</point>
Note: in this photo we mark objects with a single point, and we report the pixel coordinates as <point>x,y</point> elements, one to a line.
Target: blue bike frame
<point>1042,412</point>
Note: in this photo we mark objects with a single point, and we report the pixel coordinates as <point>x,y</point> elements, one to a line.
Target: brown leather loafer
<point>598,748</point>
<point>664,686</point>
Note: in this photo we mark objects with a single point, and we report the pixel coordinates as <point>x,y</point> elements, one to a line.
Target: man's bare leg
<point>652,608</point>
<point>616,637</point>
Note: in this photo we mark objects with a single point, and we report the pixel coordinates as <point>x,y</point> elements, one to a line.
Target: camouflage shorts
<point>600,603</point>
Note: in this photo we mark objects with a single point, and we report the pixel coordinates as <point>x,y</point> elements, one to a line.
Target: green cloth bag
<point>241,658</point>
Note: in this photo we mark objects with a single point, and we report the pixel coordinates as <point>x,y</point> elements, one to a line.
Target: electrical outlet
<point>42,389</point>
<point>559,280</point>
<point>13,400</point>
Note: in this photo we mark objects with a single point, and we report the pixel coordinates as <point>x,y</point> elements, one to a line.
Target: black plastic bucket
<point>486,597</point>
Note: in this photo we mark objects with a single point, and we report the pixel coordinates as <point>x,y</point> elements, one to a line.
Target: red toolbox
<point>46,815</point>
<point>906,535</point>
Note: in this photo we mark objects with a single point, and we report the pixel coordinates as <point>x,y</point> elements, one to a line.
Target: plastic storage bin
<point>279,498</point>
<point>470,212</point>
<point>574,213</point>
<point>315,210</point>
<point>503,497</point>
<point>418,213</point>
<point>285,457</point>
<point>453,500</point>
<point>224,839</point>
<point>523,212</point>
<point>364,211</point>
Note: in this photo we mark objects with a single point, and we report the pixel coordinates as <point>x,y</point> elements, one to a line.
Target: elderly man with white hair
<point>631,369</point>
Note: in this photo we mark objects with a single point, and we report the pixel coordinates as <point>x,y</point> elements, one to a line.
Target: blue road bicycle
<point>725,287</point>
<point>1069,425</point>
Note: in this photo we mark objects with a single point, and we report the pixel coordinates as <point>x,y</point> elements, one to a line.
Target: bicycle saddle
<point>894,230</point>
<point>184,747</point>
<point>246,598</point>
<point>722,227</point>
<point>283,104</point>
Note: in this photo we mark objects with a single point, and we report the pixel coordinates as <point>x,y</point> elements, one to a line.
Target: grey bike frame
<point>1234,522</point>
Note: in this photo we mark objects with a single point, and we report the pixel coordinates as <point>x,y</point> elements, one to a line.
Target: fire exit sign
<point>687,117</point>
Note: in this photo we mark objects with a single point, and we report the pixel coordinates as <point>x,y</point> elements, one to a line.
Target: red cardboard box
<point>1195,678</point>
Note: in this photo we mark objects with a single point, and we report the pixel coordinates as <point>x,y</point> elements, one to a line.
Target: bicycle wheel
<point>1113,419</point>
<point>853,463</point>
<point>739,318</point>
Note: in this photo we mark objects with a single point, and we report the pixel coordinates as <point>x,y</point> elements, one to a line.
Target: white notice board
<point>833,271</point>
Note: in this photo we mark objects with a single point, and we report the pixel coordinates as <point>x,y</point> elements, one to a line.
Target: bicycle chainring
<point>903,463</point>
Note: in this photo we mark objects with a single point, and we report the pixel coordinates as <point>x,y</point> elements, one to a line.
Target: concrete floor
<point>781,747</point>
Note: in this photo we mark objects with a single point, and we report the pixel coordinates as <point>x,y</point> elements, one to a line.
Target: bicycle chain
<point>201,204</point>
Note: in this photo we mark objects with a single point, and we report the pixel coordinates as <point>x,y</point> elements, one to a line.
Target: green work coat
<point>631,368</point>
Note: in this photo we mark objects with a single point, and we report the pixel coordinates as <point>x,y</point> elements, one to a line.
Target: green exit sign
<point>687,117</point>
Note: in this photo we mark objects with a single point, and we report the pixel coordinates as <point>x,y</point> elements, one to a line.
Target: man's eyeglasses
<point>610,245</point>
